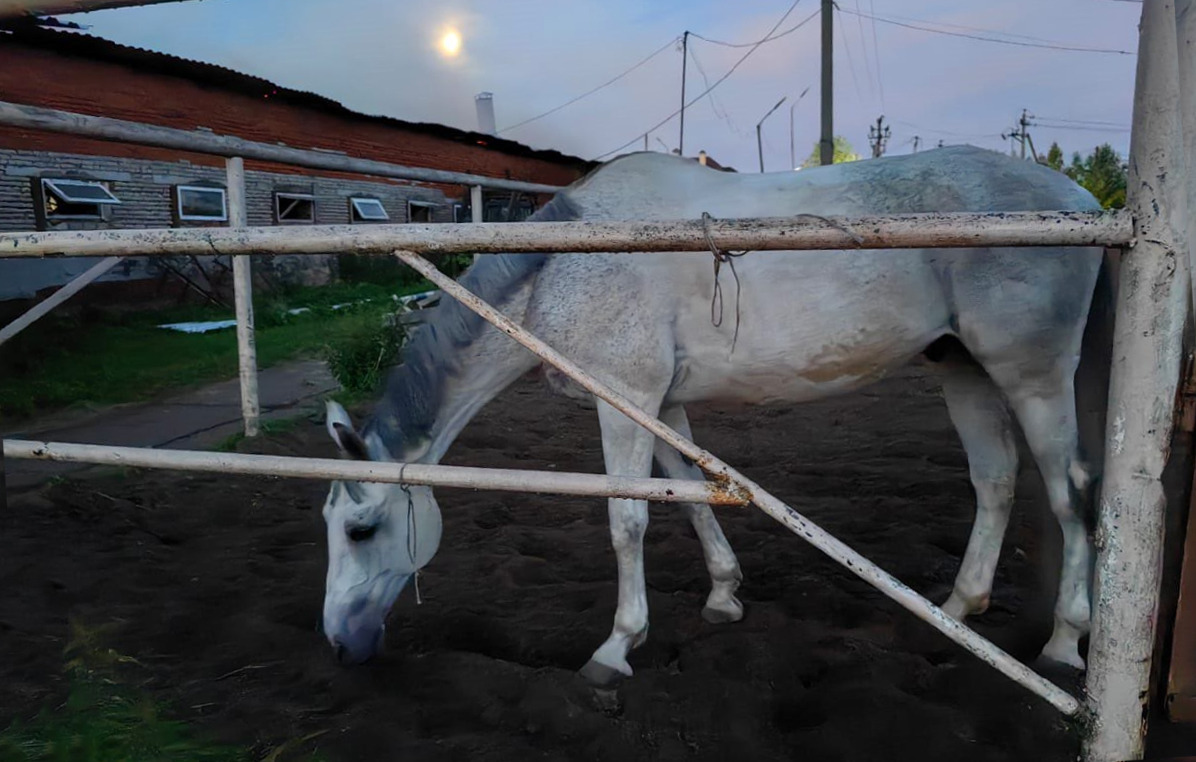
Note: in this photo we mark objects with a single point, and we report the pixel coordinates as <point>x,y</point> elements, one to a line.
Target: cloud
<point>379,56</point>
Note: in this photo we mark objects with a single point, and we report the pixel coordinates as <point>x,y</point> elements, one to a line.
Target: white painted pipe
<point>238,218</point>
<point>121,131</point>
<point>899,231</point>
<point>1185,27</point>
<point>721,473</point>
<point>1147,342</point>
<point>43,308</point>
<point>505,480</point>
<point>476,209</point>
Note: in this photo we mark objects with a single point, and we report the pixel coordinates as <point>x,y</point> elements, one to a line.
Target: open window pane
<point>80,191</point>
<point>419,212</point>
<point>202,204</point>
<point>294,207</point>
<point>367,210</point>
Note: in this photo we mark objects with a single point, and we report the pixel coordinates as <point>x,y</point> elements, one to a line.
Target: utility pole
<point>1019,134</point>
<point>684,59</point>
<point>917,142</point>
<point>826,145</point>
<point>878,136</point>
<point>759,138</point>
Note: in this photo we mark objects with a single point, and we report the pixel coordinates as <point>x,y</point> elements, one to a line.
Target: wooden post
<point>3,480</point>
<point>243,291</point>
<point>476,211</point>
<point>1147,344</point>
<point>43,308</point>
<point>1185,27</point>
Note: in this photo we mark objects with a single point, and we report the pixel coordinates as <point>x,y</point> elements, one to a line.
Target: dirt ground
<point>214,584</point>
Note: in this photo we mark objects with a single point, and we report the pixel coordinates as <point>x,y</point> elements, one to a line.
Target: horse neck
<point>494,363</point>
<point>449,395</point>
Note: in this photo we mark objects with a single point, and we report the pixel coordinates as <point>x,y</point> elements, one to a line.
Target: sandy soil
<point>214,584</point>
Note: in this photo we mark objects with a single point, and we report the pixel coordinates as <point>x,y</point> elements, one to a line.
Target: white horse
<point>1004,325</point>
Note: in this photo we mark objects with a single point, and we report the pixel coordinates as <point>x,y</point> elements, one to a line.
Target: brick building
<point>52,181</point>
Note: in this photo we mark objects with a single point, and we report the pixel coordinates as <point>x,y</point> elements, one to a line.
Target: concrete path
<point>197,419</point>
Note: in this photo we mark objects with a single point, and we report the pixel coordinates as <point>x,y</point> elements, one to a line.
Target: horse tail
<point>1092,380</point>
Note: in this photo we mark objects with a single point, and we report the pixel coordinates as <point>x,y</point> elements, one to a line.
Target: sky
<point>382,57</point>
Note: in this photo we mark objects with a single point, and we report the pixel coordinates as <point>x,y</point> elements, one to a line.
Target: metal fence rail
<point>200,141</point>
<point>900,231</point>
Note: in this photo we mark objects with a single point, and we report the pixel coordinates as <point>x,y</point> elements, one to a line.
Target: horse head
<point>379,535</point>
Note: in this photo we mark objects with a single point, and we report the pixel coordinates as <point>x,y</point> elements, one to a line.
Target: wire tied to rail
<point>721,256</point>
<point>412,540</point>
<point>716,301</point>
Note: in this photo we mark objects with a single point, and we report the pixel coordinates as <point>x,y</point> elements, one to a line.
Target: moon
<point>450,43</point>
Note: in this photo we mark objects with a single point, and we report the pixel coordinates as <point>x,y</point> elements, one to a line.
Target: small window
<point>419,211</point>
<point>367,210</point>
<point>197,203</point>
<point>75,199</point>
<point>294,207</point>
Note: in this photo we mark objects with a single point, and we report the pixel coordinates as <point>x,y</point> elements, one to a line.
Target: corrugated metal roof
<point>88,46</point>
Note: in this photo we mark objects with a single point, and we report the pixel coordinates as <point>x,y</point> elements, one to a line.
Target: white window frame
<point>280,196</point>
<point>421,205</point>
<point>355,210</point>
<point>179,190</point>
<point>59,188</point>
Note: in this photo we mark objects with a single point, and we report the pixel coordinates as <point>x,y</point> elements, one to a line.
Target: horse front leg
<point>627,448</point>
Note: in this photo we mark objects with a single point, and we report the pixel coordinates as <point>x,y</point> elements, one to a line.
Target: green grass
<point>101,359</point>
<point>105,720</point>
<point>274,426</point>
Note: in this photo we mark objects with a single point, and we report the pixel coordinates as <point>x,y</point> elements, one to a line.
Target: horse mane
<point>415,388</point>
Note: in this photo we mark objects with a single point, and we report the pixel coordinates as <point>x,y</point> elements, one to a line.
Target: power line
<point>974,28</point>
<point>855,83</point>
<point>1052,46</point>
<point>864,46</point>
<point>723,78</point>
<point>948,132</point>
<point>880,83</point>
<point>1088,122</point>
<point>588,93</point>
<point>719,111</point>
<point>1084,128</point>
<point>767,38</point>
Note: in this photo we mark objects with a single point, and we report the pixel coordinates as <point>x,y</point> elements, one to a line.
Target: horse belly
<point>805,335</point>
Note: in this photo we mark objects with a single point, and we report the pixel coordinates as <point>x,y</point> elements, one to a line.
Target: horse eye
<point>362,533</point>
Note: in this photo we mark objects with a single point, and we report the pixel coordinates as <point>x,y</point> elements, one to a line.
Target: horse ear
<point>340,428</point>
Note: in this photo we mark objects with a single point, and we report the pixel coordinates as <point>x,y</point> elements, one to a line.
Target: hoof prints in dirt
<point>215,584</point>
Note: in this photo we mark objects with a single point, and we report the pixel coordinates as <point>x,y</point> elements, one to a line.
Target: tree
<point>843,152</point>
<point>1103,174</point>
<point>1054,158</point>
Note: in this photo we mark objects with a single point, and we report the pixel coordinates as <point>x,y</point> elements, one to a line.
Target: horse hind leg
<point>725,576</point>
<point>627,448</point>
<point>1045,405</point>
<point>982,420</point>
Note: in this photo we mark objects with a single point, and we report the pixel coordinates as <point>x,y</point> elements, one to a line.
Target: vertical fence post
<point>238,217</point>
<point>476,212</point>
<point>1147,339</point>
<point>1185,27</point>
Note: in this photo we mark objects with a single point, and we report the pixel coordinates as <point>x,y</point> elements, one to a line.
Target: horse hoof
<point>601,676</point>
<point>721,616</point>
<point>732,612</point>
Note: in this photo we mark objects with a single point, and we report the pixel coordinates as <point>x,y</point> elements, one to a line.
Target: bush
<point>359,360</point>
